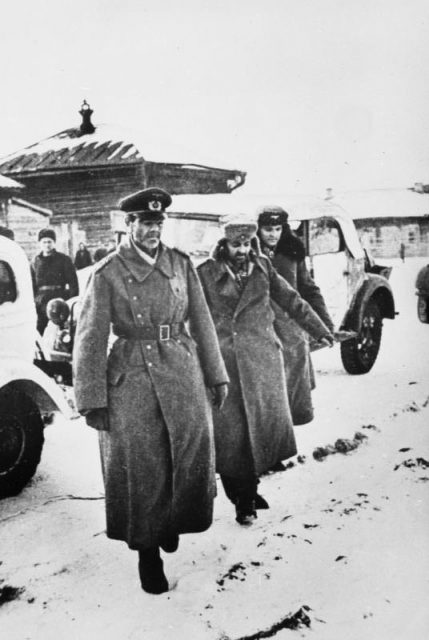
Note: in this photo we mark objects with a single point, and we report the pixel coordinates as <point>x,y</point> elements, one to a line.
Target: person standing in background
<point>82,258</point>
<point>287,254</point>
<point>53,275</point>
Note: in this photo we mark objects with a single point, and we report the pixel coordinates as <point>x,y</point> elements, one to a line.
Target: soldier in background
<point>287,254</point>
<point>82,258</point>
<point>148,397</point>
<point>53,274</point>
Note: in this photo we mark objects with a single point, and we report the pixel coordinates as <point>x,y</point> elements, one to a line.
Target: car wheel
<point>423,309</point>
<point>359,354</point>
<point>21,441</point>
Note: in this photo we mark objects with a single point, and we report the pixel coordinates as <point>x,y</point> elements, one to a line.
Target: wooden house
<point>387,218</point>
<point>81,173</point>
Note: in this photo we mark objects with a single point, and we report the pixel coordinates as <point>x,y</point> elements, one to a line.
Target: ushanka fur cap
<point>271,215</point>
<point>239,228</point>
<point>47,233</point>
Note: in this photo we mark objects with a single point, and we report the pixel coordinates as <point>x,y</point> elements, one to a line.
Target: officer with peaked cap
<point>254,429</point>
<point>53,274</point>
<point>287,254</point>
<point>148,397</point>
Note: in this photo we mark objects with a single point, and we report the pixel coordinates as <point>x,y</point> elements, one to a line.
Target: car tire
<point>359,354</point>
<point>423,309</point>
<point>21,441</point>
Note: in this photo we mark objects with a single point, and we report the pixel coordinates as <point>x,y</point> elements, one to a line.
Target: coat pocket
<point>115,378</point>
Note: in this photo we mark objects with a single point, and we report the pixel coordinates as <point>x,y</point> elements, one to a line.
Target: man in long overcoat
<point>53,275</point>
<point>148,396</point>
<point>287,254</point>
<point>254,429</point>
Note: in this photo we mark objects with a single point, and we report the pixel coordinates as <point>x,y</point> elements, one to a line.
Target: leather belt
<point>161,332</point>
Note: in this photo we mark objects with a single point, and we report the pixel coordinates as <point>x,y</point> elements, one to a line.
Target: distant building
<point>23,218</point>
<point>387,218</point>
<point>79,174</point>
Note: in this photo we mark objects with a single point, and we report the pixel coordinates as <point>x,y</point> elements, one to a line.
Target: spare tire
<point>359,354</point>
<point>21,441</point>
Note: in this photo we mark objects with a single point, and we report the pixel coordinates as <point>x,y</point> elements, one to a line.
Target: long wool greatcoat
<point>158,455</point>
<point>254,429</point>
<point>289,261</point>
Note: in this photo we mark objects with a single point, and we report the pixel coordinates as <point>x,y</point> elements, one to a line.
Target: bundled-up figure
<point>53,274</point>
<point>148,396</point>
<point>254,429</point>
<point>287,254</point>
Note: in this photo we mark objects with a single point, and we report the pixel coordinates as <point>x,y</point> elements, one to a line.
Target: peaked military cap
<point>271,215</point>
<point>147,204</point>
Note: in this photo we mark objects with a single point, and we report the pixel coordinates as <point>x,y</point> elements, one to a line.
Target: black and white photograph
<point>214,320</point>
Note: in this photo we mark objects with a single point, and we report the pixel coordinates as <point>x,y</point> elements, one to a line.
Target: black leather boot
<point>245,510</point>
<point>151,571</point>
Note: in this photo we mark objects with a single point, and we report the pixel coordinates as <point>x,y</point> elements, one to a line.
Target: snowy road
<point>345,541</point>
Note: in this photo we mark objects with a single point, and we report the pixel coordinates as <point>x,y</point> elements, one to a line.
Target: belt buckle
<point>164,332</point>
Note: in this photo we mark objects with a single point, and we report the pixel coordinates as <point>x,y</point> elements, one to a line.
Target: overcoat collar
<point>138,267</point>
<point>229,291</point>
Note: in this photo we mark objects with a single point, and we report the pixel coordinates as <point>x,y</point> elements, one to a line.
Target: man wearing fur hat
<point>254,429</point>
<point>53,274</point>
<point>148,396</point>
<point>287,254</point>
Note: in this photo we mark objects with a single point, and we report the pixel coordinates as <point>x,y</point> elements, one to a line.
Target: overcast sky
<point>301,94</point>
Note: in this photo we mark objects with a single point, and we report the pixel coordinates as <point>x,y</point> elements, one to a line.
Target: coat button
<point>149,364</point>
<point>139,315</point>
<point>148,346</point>
<point>130,279</point>
<point>134,297</point>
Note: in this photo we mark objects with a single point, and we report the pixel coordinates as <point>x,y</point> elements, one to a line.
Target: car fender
<point>374,287</point>
<point>27,378</point>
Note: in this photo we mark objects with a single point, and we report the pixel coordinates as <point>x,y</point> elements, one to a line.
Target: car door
<point>328,264</point>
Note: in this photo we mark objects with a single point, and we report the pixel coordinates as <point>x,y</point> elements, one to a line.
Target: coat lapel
<point>138,267</point>
<point>253,286</point>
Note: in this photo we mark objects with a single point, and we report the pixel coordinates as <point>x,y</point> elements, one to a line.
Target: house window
<point>7,283</point>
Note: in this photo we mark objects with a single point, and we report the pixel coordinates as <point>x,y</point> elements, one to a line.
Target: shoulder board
<point>104,262</point>
<point>181,253</point>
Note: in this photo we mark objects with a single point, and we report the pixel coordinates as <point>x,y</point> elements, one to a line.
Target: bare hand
<point>219,394</point>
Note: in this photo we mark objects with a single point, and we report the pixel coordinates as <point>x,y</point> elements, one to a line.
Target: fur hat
<point>271,215</point>
<point>239,228</point>
<point>47,233</point>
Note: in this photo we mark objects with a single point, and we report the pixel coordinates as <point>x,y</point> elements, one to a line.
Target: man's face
<point>270,234</point>
<point>146,234</point>
<point>238,250</point>
<point>47,245</point>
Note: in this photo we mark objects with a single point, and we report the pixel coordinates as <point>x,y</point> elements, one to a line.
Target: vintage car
<point>422,292</point>
<point>356,290</point>
<point>27,394</point>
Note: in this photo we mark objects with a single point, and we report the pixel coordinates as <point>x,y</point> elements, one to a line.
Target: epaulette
<point>208,260</point>
<point>104,262</point>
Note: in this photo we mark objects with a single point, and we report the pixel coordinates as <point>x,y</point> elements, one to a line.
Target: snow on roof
<point>384,203</point>
<point>29,205</point>
<point>8,183</point>
<point>107,145</point>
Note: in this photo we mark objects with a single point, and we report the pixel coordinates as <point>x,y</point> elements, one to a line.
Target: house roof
<point>33,207</point>
<point>9,185</point>
<point>71,149</point>
<point>384,203</point>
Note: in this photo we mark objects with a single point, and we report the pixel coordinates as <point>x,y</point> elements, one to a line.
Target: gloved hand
<point>327,341</point>
<point>219,393</point>
<point>98,419</point>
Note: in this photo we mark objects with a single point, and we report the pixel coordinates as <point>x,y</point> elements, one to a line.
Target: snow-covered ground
<point>345,542</point>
